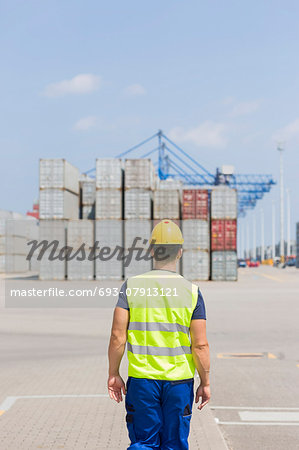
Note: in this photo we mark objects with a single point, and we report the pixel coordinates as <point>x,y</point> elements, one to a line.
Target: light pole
<point>288,223</point>
<point>280,149</point>
<point>243,241</point>
<point>254,236</point>
<point>247,241</point>
<point>262,236</point>
<point>273,231</point>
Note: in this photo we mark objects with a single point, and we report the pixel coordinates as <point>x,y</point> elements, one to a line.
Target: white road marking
<point>7,404</point>
<point>255,408</point>
<point>261,415</point>
<point>269,416</point>
<point>10,401</point>
<point>260,423</point>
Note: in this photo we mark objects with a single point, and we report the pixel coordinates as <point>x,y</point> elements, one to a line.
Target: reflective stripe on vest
<point>158,334</point>
<point>157,326</point>
<point>158,351</point>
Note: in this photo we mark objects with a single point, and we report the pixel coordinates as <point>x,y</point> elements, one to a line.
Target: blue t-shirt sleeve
<point>200,309</point>
<point>122,301</point>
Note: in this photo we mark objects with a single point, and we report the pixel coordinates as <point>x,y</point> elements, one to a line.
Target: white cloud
<point>86,123</point>
<point>289,132</point>
<point>134,90</point>
<point>244,108</point>
<point>80,84</point>
<point>207,134</point>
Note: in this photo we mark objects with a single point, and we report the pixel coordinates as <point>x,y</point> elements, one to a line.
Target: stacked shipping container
<point>139,185</point>
<point>53,231</point>
<point>224,233</point>
<point>109,213</point>
<point>88,198</point>
<point>195,227</point>
<point>80,237</point>
<point>59,190</point>
<point>58,202</point>
<point>13,247</point>
<point>134,201</point>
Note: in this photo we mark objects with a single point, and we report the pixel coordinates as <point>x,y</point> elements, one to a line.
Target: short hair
<point>166,252</point>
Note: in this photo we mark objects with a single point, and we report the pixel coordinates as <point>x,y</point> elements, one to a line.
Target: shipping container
<point>230,230</point>
<point>224,203</point>
<point>32,229</point>
<point>109,233</point>
<point>224,266</point>
<point>53,230</point>
<point>14,245</point>
<point>166,204</point>
<point>14,227</point>
<point>88,192</point>
<point>196,265</point>
<point>58,174</point>
<point>139,173</point>
<point>138,204</point>
<point>169,183</point>
<point>58,204</point>
<point>88,211</point>
<point>137,229</point>
<point>196,234</point>
<point>109,173</point>
<point>13,264</point>
<point>80,234</point>
<point>223,234</point>
<point>52,269</point>
<point>109,204</point>
<point>195,204</point>
<point>34,264</point>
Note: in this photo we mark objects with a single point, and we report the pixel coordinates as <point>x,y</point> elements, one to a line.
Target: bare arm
<point>201,357</point>
<point>116,350</point>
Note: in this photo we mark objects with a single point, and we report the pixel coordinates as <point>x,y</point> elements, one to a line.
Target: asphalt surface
<point>253,335</point>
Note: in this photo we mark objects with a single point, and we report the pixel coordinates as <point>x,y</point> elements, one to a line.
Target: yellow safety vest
<point>161,304</point>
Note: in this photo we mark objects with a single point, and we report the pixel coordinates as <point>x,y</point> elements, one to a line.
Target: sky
<point>87,79</point>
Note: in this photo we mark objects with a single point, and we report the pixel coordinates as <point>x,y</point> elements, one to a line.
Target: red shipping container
<point>195,204</point>
<point>188,207</point>
<point>223,234</point>
<point>230,234</point>
<point>217,235</point>
<point>201,204</point>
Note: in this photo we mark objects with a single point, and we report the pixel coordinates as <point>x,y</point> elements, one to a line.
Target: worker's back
<point>157,316</point>
<point>161,305</point>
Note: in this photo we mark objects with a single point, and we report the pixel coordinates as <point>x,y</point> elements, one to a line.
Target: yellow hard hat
<point>166,232</point>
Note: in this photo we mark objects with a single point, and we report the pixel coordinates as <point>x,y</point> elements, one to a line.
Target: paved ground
<point>53,371</point>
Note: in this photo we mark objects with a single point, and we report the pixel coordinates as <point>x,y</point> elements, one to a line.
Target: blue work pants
<point>159,413</point>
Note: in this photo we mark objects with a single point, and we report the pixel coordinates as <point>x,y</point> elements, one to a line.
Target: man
<point>155,314</point>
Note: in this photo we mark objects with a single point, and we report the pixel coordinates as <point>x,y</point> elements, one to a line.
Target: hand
<point>205,394</point>
<point>116,386</point>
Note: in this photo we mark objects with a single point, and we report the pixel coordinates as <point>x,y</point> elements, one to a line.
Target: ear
<point>180,252</point>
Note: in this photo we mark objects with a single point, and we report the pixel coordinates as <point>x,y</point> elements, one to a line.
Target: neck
<point>171,266</point>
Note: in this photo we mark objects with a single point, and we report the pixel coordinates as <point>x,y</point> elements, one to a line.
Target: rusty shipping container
<point>223,234</point>
<point>195,204</point>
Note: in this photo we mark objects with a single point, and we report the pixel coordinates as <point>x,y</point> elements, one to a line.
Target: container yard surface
<point>53,370</point>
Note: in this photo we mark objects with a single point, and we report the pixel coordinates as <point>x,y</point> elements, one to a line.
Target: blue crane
<point>173,162</point>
